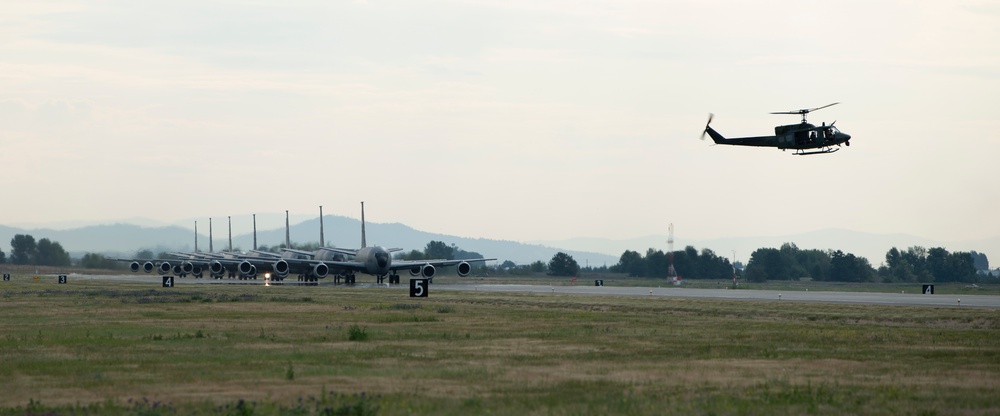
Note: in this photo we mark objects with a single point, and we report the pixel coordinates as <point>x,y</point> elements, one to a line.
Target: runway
<point>910,299</point>
<point>907,299</point>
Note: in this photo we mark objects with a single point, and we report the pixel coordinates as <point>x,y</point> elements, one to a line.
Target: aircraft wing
<point>409,264</point>
<point>346,265</point>
<point>351,251</point>
<point>344,251</point>
<point>296,251</point>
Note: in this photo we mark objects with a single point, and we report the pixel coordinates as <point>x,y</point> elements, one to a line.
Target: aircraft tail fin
<point>716,137</point>
<point>321,233</point>
<point>288,238</point>
<point>363,244</point>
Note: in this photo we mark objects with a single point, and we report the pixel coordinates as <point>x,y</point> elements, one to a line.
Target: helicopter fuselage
<point>800,136</point>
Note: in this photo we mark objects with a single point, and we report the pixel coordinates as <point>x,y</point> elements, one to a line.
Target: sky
<point>514,120</point>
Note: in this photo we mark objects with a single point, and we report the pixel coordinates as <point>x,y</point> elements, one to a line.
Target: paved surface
<point>911,299</point>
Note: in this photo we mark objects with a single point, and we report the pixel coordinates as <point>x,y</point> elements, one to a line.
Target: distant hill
<point>125,239</point>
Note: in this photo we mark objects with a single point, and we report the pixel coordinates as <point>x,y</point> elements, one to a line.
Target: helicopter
<point>802,137</point>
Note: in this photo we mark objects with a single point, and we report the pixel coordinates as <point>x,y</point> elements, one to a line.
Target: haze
<point>516,120</point>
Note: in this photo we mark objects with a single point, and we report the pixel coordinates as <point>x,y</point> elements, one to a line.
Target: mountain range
<point>124,239</point>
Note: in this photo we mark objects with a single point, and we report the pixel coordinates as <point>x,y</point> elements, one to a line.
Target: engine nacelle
<point>187,267</point>
<point>320,270</point>
<point>280,268</point>
<point>165,268</point>
<point>196,271</point>
<point>246,268</point>
<point>216,268</point>
<point>427,271</point>
<point>464,269</point>
<point>415,271</point>
<point>252,273</point>
<point>134,266</point>
<point>148,267</point>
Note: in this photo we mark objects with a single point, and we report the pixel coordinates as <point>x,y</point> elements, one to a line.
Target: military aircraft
<point>377,261</point>
<point>802,137</point>
<point>181,264</point>
<point>310,266</point>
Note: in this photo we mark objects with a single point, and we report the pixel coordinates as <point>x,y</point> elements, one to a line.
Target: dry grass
<point>460,353</point>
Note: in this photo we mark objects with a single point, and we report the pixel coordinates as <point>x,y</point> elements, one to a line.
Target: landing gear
<point>393,279</point>
<point>801,152</point>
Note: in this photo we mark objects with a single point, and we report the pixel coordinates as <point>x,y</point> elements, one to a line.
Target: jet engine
<point>251,273</point>
<point>178,270</point>
<point>463,269</point>
<point>247,269</point>
<point>320,270</point>
<point>187,267</point>
<point>280,268</point>
<point>165,268</point>
<point>427,271</point>
<point>134,266</point>
<point>148,267</point>
<point>217,269</point>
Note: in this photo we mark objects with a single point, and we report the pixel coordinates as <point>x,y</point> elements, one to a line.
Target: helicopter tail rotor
<point>704,132</point>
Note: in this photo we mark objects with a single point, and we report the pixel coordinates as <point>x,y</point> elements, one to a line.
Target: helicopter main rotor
<point>805,111</point>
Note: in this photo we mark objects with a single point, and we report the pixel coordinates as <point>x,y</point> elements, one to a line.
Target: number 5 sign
<point>418,288</point>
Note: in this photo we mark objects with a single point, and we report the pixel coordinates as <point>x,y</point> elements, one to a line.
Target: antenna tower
<point>671,272</point>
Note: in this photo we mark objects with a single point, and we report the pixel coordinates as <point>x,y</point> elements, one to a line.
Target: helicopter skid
<point>800,152</point>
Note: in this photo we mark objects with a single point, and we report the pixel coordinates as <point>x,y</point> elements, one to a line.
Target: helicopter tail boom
<point>768,141</point>
<point>716,137</point>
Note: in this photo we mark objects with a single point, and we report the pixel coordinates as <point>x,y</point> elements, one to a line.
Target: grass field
<point>125,348</point>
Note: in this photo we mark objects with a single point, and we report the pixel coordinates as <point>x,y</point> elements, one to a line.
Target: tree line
<point>44,252</point>
<point>788,262</point>
<point>918,264</point>
<point>689,263</point>
<point>436,250</point>
<point>915,264</point>
<point>25,250</point>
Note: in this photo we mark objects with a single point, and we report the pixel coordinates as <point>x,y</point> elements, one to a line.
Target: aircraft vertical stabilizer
<point>363,243</point>
<point>288,238</point>
<point>321,242</point>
